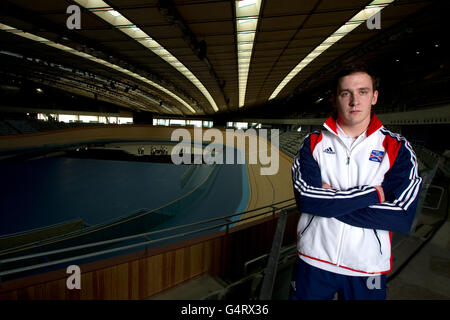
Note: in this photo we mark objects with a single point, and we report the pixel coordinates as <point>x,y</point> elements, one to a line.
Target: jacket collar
<point>374,125</point>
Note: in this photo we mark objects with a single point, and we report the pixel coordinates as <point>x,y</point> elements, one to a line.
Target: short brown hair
<point>354,68</point>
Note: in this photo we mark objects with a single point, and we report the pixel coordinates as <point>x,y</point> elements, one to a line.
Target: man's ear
<point>375,97</point>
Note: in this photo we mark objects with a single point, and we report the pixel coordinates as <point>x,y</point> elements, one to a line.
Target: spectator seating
<point>22,126</point>
<point>290,142</point>
<point>7,129</point>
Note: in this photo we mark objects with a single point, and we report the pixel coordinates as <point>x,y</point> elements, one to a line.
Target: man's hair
<point>354,68</point>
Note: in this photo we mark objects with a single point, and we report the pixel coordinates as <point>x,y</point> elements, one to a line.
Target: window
<point>46,117</point>
<point>68,118</point>
<point>123,120</point>
<point>177,122</point>
<point>195,123</point>
<point>208,124</point>
<point>160,122</point>
<point>241,125</point>
<point>112,119</point>
<point>88,118</point>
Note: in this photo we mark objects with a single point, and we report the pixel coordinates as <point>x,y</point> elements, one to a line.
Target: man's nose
<point>353,100</point>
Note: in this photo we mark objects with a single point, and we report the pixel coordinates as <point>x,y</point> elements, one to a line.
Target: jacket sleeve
<point>402,185</point>
<point>313,199</point>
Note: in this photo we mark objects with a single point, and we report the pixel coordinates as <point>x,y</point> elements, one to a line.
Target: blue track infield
<point>47,191</point>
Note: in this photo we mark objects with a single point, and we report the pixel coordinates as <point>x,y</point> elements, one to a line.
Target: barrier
<point>138,222</point>
<point>78,252</point>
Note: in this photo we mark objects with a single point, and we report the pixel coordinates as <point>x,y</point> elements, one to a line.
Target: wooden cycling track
<point>264,190</point>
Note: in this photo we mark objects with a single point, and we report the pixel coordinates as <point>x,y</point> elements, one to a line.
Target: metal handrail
<point>48,253</point>
<point>94,254</point>
<point>426,182</point>
<point>440,198</point>
<point>167,229</point>
<point>94,244</point>
<point>30,245</point>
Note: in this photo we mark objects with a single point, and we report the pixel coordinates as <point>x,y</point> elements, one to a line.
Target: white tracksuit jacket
<point>346,230</point>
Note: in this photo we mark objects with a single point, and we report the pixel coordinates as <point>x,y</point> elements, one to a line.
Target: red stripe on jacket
<point>392,146</point>
<point>315,138</point>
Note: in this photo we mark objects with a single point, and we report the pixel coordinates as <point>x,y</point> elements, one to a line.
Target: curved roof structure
<point>205,58</point>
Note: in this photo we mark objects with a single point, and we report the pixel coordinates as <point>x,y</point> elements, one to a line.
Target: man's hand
<point>379,189</point>
<point>326,186</point>
<point>381,193</point>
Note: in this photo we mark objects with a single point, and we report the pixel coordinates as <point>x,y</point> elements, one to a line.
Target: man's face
<point>354,99</point>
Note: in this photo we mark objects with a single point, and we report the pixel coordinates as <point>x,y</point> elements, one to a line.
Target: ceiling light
<point>247,13</point>
<point>130,29</point>
<point>247,20</point>
<point>245,3</point>
<point>362,16</point>
<point>92,58</point>
<point>245,37</point>
<point>114,13</point>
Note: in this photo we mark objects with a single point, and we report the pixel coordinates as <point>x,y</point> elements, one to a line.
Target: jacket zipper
<point>348,169</point>
<point>343,227</point>
<point>379,242</point>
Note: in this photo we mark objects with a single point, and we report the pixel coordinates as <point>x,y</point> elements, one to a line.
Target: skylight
<point>104,11</point>
<point>92,58</point>
<point>247,14</point>
<point>114,13</point>
<point>373,8</point>
<point>245,3</point>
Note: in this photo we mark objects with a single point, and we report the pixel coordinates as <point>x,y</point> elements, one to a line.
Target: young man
<point>355,183</point>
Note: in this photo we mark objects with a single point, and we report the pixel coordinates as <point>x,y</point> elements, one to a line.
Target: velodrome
<point>92,91</point>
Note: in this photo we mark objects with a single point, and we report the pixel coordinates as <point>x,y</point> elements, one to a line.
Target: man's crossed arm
<point>389,207</point>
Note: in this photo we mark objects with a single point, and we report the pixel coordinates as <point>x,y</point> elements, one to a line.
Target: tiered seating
<point>290,142</point>
<point>22,126</point>
<point>6,129</point>
<point>41,125</point>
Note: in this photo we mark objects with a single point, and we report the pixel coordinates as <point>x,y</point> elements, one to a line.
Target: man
<point>355,183</point>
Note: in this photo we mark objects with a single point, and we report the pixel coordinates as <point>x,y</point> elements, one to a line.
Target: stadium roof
<point>203,58</point>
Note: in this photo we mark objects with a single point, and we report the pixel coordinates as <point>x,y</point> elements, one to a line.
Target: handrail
<point>47,264</point>
<point>288,207</point>
<point>171,228</point>
<point>94,244</point>
<point>437,159</point>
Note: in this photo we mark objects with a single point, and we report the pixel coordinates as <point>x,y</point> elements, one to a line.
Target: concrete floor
<point>195,289</point>
<point>427,275</point>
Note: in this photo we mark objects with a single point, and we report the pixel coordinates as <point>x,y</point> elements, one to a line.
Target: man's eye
<point>344,94</point>
<point>363,92</point>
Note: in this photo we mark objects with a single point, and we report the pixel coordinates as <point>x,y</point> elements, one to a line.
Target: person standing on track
<point>355,183</point>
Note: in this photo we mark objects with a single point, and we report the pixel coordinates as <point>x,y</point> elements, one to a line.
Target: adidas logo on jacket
<point>347,230</point>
